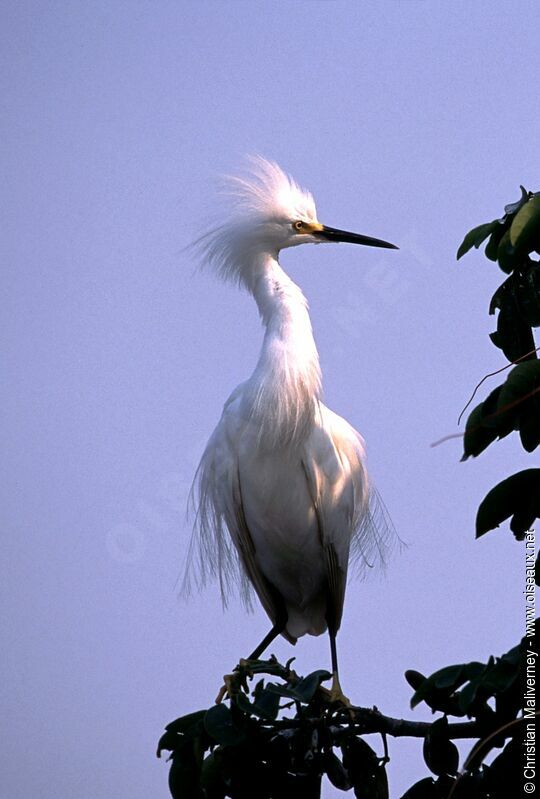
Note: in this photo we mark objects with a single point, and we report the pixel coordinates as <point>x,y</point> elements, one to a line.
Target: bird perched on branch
<point>282,493</point>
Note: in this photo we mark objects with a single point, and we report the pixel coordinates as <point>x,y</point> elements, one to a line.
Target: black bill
<point>333,234</point>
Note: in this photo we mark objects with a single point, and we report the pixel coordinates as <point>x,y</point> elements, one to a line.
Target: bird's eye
<point>299,225</point>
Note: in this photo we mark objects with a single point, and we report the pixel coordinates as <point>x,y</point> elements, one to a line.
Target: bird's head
<point>270,212</point>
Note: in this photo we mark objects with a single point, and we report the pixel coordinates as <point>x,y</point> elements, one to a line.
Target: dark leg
<point>231,680</point>
<point>280,623</point>
<point>333,650</point>
<point>278,628</point>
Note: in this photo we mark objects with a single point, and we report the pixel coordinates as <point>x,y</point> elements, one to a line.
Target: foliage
<point>255,746</point>
<point>278,738</point>
<point>490,693</point>
<point>514,405</point>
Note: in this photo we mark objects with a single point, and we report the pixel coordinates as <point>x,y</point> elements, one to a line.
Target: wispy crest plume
<point>251,205</point>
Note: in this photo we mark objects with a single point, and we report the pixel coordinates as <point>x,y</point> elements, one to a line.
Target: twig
<point>492,374</point>
<point>489,416</point>
<point>478,748</point>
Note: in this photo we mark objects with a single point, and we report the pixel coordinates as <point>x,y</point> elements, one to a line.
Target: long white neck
<point>286,384</point>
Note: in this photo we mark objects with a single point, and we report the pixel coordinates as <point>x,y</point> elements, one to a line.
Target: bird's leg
<point>336,693</point>
<point>277,628</point>
<point>233,682</point>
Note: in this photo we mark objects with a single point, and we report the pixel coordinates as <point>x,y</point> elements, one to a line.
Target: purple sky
<point>410,121</point>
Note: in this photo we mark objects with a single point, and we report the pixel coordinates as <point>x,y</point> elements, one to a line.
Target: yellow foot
<point>226,689</point>
<point>233,683</point>
<point>336,696</point>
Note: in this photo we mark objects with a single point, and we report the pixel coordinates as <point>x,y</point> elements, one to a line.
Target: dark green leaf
<point>425,789</point>
<point>168,741</point>
<point>505,776</point>
<point>477,436</point>
<point>186,727</point>
<point>494,240</point>
<point>219,725</point>
<point>336,772</point>
<point>357,754</point>
<point>518,403</point>
<point>499,677</point>
<point>527,292</point>
<point>437,689</point>
<point>259,688</point>
<point>279,752</point>
<point>286,691</point>
<point>513,335</point>
<point>365,770</point>
<point>380,783</point>
<point>449,677</point>
<point>517,496</point>
<point>521,381</point>
<point>184,723</point>
<point>513,655</point>
<point>184,773</point>
<point>470,786</point>
<point>444,785</point>
<point>507,257</point>
<point>467,696</point>
<point>489,416</point>
<point>441,754</point>
<point>266,705</point>
<point>242,702</point>
<point>475,237</point>
<point>452,676</point>
<point>414,678</point>
<point>512,406</point>
<point>500,296</point>
<point>212,777</point>
<point>306,688</point>
<point>529,423</point>
<point>513,208</point>
<point>525,226</point>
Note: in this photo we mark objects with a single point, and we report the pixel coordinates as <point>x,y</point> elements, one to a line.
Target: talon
<point>337,696</point>
<point>221,695</point>
<point>229,687</point>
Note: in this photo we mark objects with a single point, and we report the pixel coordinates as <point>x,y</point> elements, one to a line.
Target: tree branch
<point>364,721</point>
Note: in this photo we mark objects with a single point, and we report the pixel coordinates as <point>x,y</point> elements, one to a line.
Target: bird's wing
<point>235,518</point>
<point>221,545</point>
<point>354,526</point>
<point>336,571</point>
<point>212,554</point>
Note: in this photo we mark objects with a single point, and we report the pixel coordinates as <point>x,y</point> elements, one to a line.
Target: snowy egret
<point>282,492</point>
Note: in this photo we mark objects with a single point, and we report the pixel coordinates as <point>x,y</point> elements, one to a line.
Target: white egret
<point>282,492</point>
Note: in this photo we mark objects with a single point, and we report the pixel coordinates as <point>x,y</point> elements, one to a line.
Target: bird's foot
<point>235,682</point>
<point>226,689</point>
<point>337,697</point>
<point>336,692</point>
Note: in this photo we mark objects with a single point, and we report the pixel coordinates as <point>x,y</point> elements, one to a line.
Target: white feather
<point>283,479</point>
